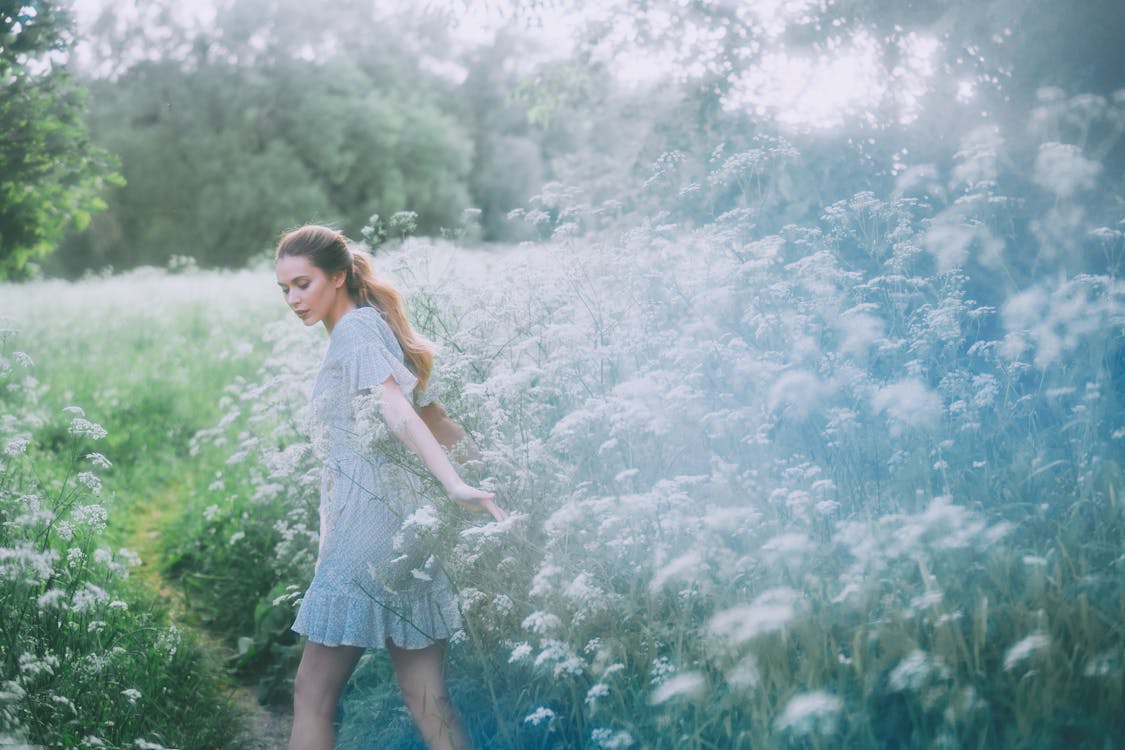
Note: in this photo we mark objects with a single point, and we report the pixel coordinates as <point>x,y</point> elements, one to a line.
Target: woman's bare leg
<point>321,676</point>
<point>421,676</point>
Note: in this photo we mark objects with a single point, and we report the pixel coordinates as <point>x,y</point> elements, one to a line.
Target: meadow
<point>850,482</point>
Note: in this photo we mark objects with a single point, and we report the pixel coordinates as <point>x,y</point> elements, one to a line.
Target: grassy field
<point>763,496</point>
<point>104,382</point>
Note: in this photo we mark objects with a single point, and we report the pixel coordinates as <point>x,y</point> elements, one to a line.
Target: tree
<point>233,133</point>
<point>50,174</point>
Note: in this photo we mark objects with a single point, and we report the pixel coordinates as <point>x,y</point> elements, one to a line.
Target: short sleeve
<point>429,394</point>
<point>371,353</point>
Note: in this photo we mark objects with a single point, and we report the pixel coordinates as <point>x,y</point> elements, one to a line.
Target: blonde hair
<point>330,251</point>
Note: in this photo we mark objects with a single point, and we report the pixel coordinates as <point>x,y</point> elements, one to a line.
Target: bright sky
<point>846,82</point>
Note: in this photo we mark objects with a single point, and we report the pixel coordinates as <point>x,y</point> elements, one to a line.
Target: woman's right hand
<point>480,501</point>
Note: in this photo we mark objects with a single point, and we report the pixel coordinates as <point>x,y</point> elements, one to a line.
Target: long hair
<point>330,251</point>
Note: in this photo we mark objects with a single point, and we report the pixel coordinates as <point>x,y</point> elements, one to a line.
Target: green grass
<point>147,358</point>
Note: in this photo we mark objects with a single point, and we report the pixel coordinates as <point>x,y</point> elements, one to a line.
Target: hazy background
<point>212,126</point>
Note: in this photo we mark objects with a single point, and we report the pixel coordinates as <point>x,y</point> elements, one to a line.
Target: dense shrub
<point>851,482</point>
<point>86,659</point>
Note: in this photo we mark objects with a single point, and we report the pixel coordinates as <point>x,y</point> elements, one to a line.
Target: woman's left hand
<point>480,501</point>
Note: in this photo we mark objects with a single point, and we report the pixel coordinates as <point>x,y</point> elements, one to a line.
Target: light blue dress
<point>375,578</point>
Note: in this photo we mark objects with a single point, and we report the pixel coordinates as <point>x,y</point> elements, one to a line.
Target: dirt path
<point>267,727</point>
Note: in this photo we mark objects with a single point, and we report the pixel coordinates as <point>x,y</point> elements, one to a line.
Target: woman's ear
<point>339,278</point>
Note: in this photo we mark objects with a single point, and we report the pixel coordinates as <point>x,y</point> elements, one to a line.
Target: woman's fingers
<point>497,512</point>
<point>484,505</point>
<point>480,501</point>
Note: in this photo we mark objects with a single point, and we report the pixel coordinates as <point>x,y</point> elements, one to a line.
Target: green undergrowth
<point>102,385</point>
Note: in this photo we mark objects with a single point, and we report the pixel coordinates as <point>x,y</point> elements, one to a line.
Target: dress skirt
<point>374,581</point>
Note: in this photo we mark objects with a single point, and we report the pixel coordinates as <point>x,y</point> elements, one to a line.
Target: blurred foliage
<point>234,126</point>
<point>50,174</point>
<point>249,134</point>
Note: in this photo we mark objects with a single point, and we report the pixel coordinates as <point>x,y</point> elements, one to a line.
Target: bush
<point>852,481</point>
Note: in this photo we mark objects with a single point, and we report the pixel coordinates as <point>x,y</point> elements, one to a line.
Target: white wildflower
<point>543,582</point>
<point>168,640</point>
<point>26,564</point>
<point>581,591</point>
<point>858,332</point>
<point>540,715</point>
<point>11,691</point>
<point>745,675</point>
<point>84,428</point>
<point>788,548</point>
<point>661,669</point>
<point>597,690</point>
<point>949,240</point>
<point>521,652</point>
<point>1104,664</point>
<point>687,566</point>
<point>503,604</point>
<point>1025,649</point>
<point>92,516</point>
<point>147,745</point>
<point>541,622</point>
<point>1062,169</point>
<point>90,481</point>
<point>52,598</point>
<point>32,665</point>
<point>132,694</point>
<point>621,476</point>
<point>16,446</point>
<point>914,671</point>
<point>62,700</point>
<point>88,597</point>
<point>236,537</point>
<point>608,739</point>
<point>908,402</point>
<point>798,391</point>
<point>771,610</point>
<point>813,713</point>
<point>685,685</point>
<point>97,459</point>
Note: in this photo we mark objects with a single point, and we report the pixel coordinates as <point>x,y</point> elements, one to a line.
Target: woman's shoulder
<point>361,325</point>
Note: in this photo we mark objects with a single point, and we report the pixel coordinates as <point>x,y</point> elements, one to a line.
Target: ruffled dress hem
<point>336,619</point>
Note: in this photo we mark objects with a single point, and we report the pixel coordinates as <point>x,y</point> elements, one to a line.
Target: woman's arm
<point>408,427</point>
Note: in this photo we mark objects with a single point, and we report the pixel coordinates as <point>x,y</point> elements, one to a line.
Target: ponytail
<point>329,250</point>
<point>367,289</point>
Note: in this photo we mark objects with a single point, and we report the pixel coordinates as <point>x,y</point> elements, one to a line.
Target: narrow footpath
<point>267,727</point>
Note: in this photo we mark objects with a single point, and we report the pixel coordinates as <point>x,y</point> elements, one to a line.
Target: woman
<point>376,366</point>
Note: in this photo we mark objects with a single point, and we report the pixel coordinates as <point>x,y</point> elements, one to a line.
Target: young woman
<point>372,382</point>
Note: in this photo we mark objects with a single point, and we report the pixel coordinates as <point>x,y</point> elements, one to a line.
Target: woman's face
<point>309,292</point>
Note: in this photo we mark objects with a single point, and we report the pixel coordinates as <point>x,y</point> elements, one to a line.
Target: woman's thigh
<point>322,674</point>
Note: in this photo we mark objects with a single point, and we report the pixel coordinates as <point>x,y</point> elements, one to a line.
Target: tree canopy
<point>268,113</point>
<point>51,176</point>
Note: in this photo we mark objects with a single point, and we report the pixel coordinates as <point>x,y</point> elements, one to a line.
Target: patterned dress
<point>374,578</point>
